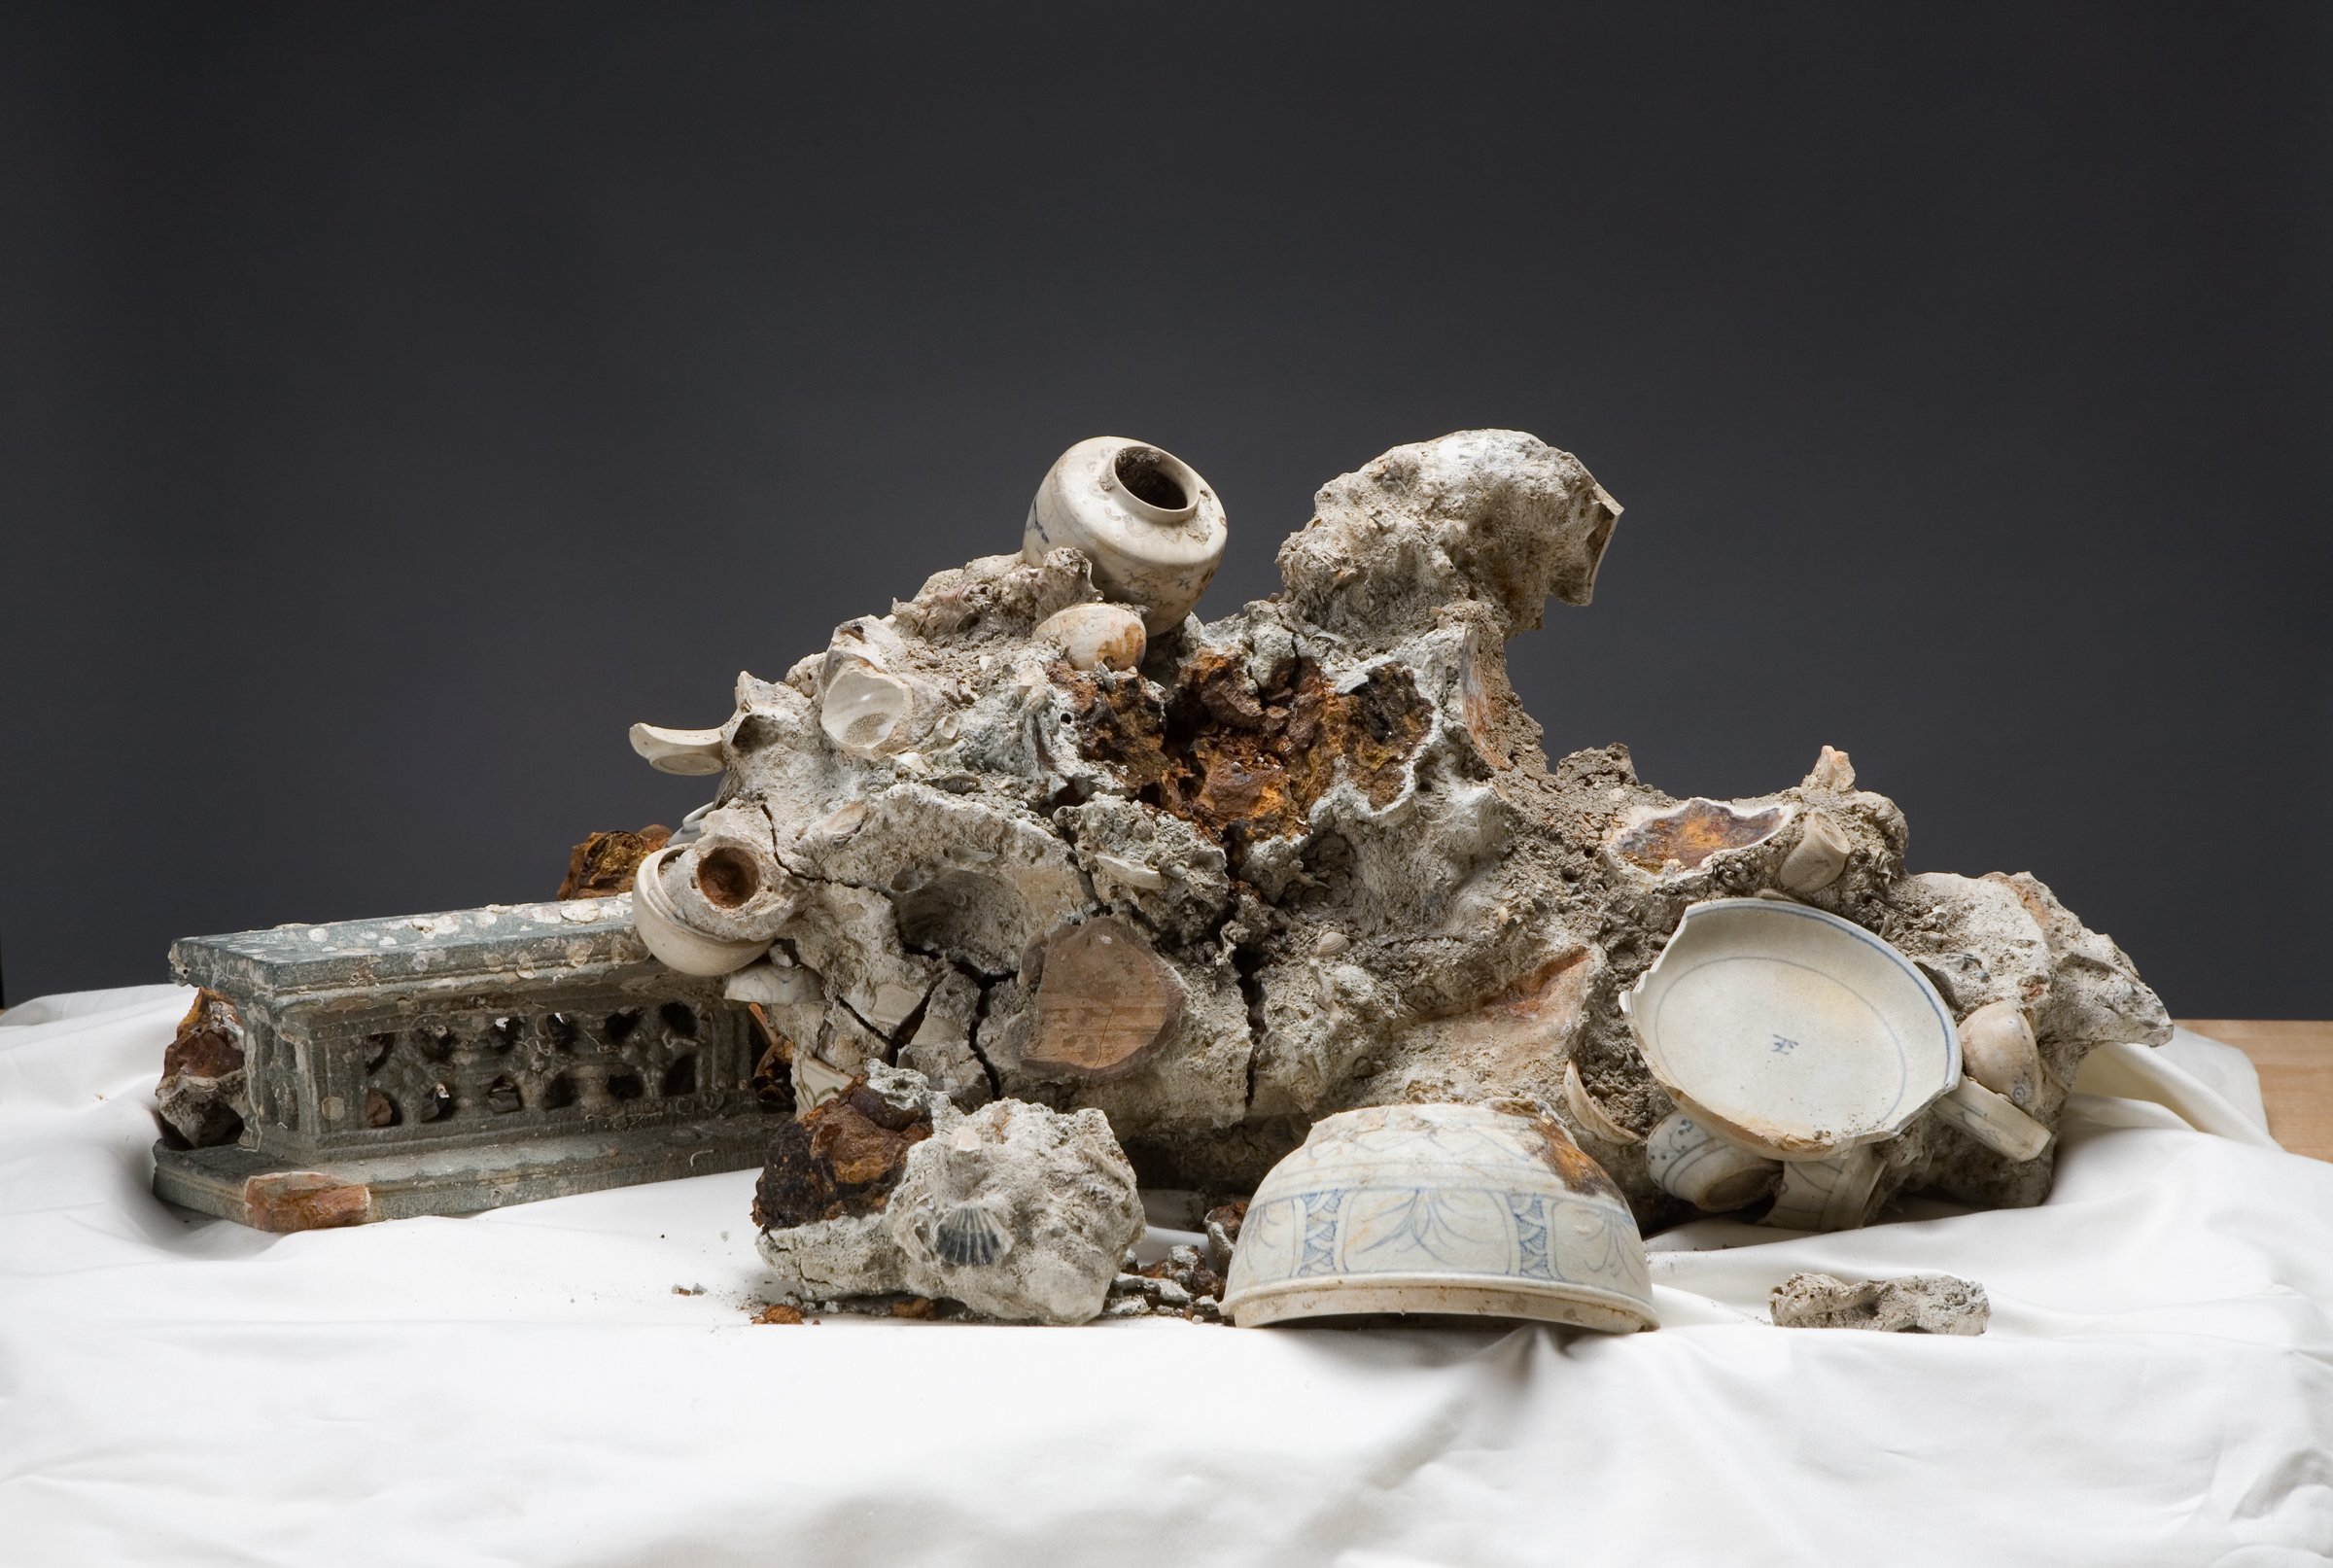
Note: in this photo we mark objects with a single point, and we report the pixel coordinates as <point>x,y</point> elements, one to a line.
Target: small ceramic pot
<point>1148,522</point>
<point>676,944</point>
<point>1708,1172</point>
<point>1439,1209</point>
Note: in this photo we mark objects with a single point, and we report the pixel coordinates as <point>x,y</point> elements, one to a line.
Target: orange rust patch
<point>304,1200</point>
<point>603,864</point>
<point>205,1044</point>
<point>1244,761</point>
<point>1690,833</point>
<point>841,1156</point>
<point>1570,1162</point>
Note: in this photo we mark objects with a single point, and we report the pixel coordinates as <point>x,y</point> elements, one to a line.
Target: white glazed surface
<point>1695,1163</point>
<point>1826,1194</point>
<point>1160,562</point>
<point>1438,1208</point>
<point>1793,1031</point>
<point>676,945</point>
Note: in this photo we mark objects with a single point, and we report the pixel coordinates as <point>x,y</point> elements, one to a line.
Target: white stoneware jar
<point>674,942</point>
<point>1148,522</point>
<point>1439,1209</point>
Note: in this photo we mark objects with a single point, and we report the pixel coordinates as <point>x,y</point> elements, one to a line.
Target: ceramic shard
<point>1018,1212</point>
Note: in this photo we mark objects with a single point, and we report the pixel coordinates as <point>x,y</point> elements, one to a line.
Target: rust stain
<point>773,1081</point>
<point>841,1156</point>
<point>1571,1163</point>
<point>1248,762</point>
<point>205,1044</point>
<point>1690,833</point>
<point>603,864</point>
<point>304,1200</point>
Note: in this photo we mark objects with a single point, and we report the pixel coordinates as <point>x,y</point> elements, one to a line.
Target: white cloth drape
<point>526,1387</point>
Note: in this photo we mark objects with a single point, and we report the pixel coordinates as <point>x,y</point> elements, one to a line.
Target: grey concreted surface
<point>456,1061</point>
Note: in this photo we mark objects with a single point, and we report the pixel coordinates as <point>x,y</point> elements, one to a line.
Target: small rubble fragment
<point>1916,1304</point>
<point>1181,1284</point>
<point>1016,1212</point>
<point>201,1100</point>
<point>779,1313</point>
<point>842,1157</point>
<point>602,865</point>
<point>1223,1233</point>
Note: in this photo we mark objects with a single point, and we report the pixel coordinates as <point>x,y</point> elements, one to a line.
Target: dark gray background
<point>399,401</point>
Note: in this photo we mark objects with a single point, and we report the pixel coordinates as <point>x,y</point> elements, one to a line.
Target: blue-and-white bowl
<point>1439,1209</point>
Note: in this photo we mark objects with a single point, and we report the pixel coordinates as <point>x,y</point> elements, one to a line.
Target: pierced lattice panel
<point>497,1074</point>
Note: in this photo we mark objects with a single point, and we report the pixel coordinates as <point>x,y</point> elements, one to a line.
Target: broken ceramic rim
<point>1764,971</point>
<point>675,944</point>
<point>1583,1307</point>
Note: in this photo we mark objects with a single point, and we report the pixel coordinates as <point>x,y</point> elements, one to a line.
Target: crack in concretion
<point>980,1015</point>
<point>1248,962</point>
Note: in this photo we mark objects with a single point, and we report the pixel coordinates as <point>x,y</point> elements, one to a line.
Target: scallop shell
<point>970,1236</point>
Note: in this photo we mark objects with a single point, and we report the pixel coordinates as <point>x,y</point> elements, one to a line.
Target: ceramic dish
<point>1790,1031</point>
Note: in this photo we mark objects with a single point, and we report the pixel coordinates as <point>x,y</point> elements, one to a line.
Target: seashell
<point>1998,1049</point>
<point>1439,1209</point>
<point>1826,1194</point>
<point>679,750</point>
<point>1096,637</point>
<point>970,1236</point>
<point>1708,1172</point>
<point>675,944</point>
<point>1991,1120</point>
<point>1789,1030</point>
<point>1690,833</point>
<point>1590,1114</point>
<point>866,712</point>
<point>1815,860</point>
<point>1143,517</point>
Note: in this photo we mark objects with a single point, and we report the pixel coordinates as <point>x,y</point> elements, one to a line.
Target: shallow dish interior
<point>1792,1030</point>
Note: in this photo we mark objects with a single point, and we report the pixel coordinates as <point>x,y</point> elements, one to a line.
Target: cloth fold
<point>528,1386</point>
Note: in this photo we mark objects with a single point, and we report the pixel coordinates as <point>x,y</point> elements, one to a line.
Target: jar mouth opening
<point>1158,485</point>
